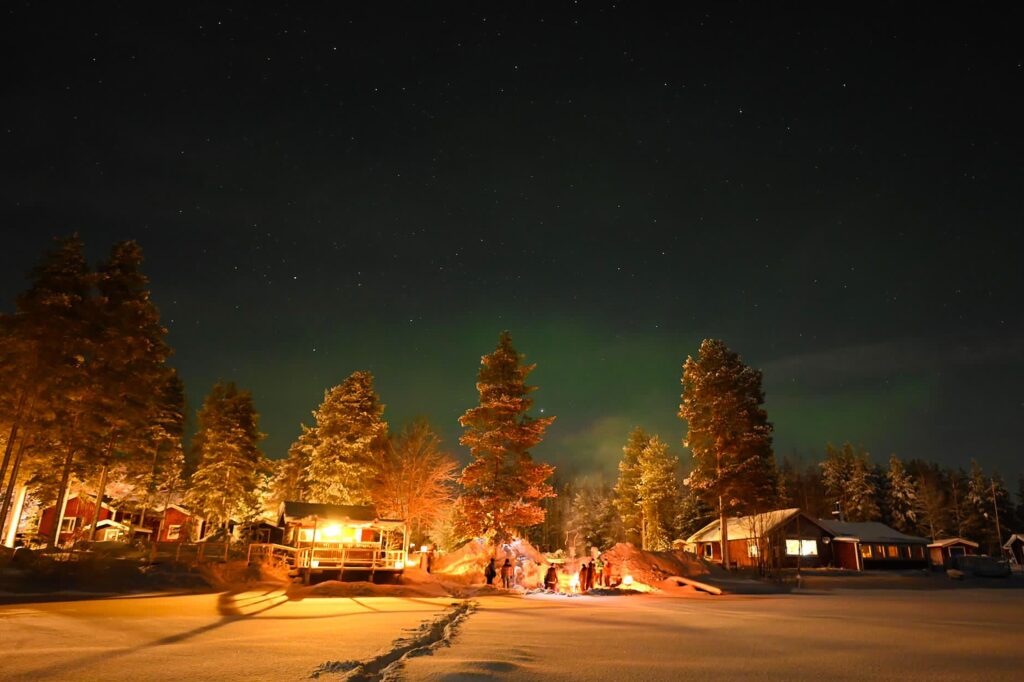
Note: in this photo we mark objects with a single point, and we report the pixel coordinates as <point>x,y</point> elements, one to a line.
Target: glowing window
<point>892,552</point>
<point>751,548</point>
<point>802,547</point>
<point>174,532</point>
<point>865,551</point>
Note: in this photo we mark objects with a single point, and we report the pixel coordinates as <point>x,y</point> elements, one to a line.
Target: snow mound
<point>466,565</point>
<point>654,568</point>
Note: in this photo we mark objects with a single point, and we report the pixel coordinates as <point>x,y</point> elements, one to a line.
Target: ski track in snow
<point>387,667</point>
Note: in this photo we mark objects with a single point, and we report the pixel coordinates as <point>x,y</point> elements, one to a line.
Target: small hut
<point>941,551</point>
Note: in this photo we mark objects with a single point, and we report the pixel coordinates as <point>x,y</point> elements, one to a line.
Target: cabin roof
<point>749,527</point>
<point>1016,537</point>
<point>947,542</point>
<point>869,531</point>
<point>306,512</point>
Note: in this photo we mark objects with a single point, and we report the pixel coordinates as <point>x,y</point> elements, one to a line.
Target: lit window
<point>865,551</point>
<point>802,547</point>
<point>174,532</point>
<point>751,548</point>
<point>879,551</point>
<point>892,552</point>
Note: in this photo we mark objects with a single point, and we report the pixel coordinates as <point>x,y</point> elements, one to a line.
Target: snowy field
<point>862,634</point>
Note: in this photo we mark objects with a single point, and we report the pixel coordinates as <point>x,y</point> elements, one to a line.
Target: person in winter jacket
<point>583,578</point>
<point>490,572</point>
<point>599,572</point>
<point>551,579</point>
<point>506,574</point>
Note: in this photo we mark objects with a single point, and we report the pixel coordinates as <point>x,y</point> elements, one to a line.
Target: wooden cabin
<point>784,538</point>
<point>870,545</point>
<point>78,517</point>
<point>343,541</point>
<point>941,551</point>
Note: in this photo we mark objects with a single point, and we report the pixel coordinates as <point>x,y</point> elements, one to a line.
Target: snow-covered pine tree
<point>291,474</point>
<point>593,521</point>
<point>229,464</point>
<point>862,491</point>
<point>627,497</point>
<point>350,435</point>
<point>728,433</point>
<point>902,498</point>
<point>128,368</point>
<point>977,504</point>
<point>503,485</point>
<point>657,489</point>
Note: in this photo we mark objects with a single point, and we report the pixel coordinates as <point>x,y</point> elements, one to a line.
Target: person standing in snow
<point>490,572</point>
<point>590,576</point>
<point>551,579</point>
<point>506,574</point>
<point>583,578</point>
<point>608,573</point>
<point>599,572</point>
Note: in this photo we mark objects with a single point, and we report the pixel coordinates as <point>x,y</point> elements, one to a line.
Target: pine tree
<point>902,499</point>
<point>349,437</point>
<point>229,464</point>
<point>627,497</point>
<point>44,364</point>
<point>657,490</point>
<point>128,369</point>
<point>977,504</point>
<point>414,478</point>
<point>933,495</point>
<point>291,475</point>
<point>850,482</point>
<point>503,485</point>
<point>728,433</point>
<point>593,521</point>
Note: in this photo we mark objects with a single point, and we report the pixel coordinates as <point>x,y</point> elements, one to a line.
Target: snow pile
<point>466,565</point>
<point>653,568</point>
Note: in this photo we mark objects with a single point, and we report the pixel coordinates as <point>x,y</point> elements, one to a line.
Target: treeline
<point>656,498</point>
<point>89,403</point>
<point>87,392</point>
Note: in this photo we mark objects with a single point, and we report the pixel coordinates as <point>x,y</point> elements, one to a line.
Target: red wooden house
<point>78,516</point>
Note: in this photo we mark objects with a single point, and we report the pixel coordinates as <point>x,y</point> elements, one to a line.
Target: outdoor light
<point>399,564</point>
<point>627,580</point>
<point>314,563</point>
<point>331,531</point>
<point>424,548</point>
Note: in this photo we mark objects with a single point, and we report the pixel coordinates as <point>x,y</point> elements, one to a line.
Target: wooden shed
<point>940,551</point>
<point>1014,548</point>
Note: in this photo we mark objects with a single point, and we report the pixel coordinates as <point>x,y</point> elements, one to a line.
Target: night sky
<point>387,187</point>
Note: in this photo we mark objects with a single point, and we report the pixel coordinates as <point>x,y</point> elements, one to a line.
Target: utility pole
<point>995,508</point>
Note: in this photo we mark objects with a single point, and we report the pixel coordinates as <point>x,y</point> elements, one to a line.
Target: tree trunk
<point>62,491</point>
<point>12,436</point>
<point>724,532</point>
<point>9,492</point>
<point>99,502</point>
<point>19,507</point>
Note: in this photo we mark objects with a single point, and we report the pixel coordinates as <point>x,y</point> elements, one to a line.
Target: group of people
<point>597,573</point>
<point>507,573</point>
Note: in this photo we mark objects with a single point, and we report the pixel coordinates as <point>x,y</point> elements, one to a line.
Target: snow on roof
<point>869,531</point>
<point>1014,537</point>
<point>299,511</point>
<point>946,542</point>
<point>747,527</point>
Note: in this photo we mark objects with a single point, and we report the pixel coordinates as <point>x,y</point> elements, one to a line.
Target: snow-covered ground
<point>856,634</point>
